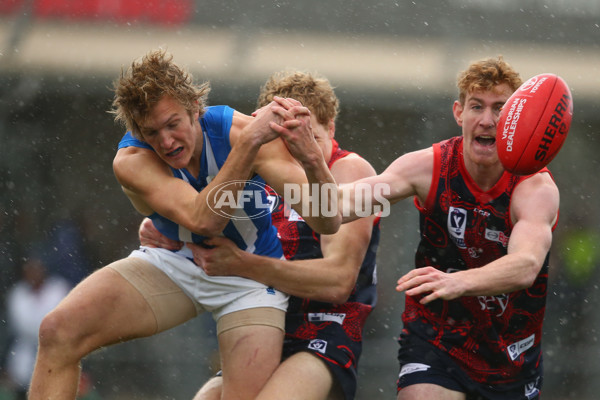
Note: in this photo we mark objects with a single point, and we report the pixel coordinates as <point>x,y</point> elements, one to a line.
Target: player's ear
<point>331,128</point>
<point>195,112</point>
<point>457,110</point>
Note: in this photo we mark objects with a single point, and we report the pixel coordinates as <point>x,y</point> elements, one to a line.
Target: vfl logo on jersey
<point>515,349</point>
<point>457,223</point>
<point>531,390</point>
<point>319,345</point>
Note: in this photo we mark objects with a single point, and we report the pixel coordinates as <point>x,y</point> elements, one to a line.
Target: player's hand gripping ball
<point>534,124</point>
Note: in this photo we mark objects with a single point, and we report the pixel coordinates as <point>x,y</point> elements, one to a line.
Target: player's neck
<point>484,176</point>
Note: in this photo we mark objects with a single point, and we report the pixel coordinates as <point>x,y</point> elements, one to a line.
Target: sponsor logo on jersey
<point>457,223</point>
<point>327,317</point>
<point>319,345</point>
<point>515,349</point>
<point>411,368</point>
<point>475,252</point>
<point>270,290</point>
<point>496,236</point>
<point>494,303</point>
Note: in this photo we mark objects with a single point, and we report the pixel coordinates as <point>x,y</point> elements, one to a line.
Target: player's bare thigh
<point>105,308</point>
<point>169,305</point>
<point>429,391</point>
<point>303,376</point>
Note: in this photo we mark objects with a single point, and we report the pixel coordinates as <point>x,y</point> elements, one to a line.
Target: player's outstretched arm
<point>534,210</point>
<point>409,175</point>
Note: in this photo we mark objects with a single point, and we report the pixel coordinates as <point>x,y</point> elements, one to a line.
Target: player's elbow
<point>531,271</point>
<point>327,225</point>
<point>339,292</point>
<point>336,295</point>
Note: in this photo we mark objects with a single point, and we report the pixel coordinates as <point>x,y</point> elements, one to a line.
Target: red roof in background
<point>169,12</point>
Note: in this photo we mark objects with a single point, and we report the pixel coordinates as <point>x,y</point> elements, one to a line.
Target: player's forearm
<point>316,279</point>
<point>324,216</point>
<point>219,199</point>
<point>362,199</point>
<point>347,202</point>
<point>507,274</point>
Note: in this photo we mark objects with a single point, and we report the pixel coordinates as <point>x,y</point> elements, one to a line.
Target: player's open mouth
<point>485,140</point>
<point>175,152</point>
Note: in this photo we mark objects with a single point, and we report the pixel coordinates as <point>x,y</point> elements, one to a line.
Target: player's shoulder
<point>351,167</point>
<point>130,154</point>
<point>217,113</point>
<point>124,156</point>
<point>541,182</point>
<point>216,121</point>
<point>238,123</point>
<point>536,196</point>
<point>352,159</point>
<point>130,162</point>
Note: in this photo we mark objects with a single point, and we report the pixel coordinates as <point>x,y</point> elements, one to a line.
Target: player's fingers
<point>288,111</point>
<point>283,102</point>
<point>277,128</point>
<point>406,285</point>
<point>200,253</point>
<point>283,113</point>
<point>409,275</point>
<point>218,241</point>
<point>417,290</point>
<point>170,244</point>
<point>293,101</point>
<point>429,298</point>
<point>291,124</point>
<point>299,110</point>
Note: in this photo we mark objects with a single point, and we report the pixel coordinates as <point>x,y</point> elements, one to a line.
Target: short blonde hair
<point>146,82</point>
<point>313,91</point>
<point>485,75</point>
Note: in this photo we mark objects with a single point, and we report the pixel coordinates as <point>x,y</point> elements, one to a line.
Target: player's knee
<point>211,390</point>
<point>57,336</point>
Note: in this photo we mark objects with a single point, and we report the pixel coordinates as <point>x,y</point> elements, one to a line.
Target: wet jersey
<point>251,229</point>
<point>495,339</point>
<point>306,317</point>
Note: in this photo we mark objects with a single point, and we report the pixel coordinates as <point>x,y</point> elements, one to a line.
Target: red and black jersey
<point>306,317</point>
<point>495,339</point>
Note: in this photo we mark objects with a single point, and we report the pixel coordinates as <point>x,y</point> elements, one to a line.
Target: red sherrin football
<point>534,124</point>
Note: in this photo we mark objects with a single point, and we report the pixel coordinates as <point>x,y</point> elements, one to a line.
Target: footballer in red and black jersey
<point>494,339</point>
<point>331,332</point>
